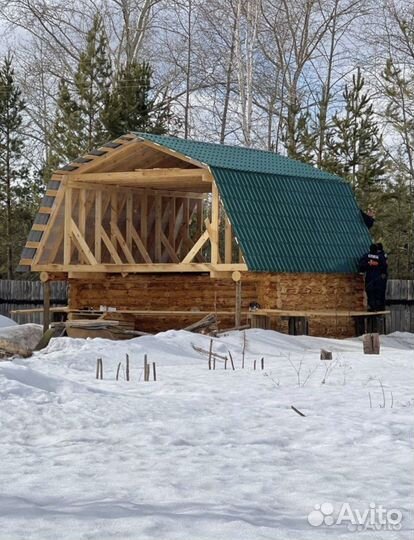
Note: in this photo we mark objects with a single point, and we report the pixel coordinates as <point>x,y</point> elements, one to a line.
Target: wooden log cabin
<point>164,230</point>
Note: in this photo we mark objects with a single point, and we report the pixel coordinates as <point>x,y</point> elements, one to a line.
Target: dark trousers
<point>375,290</point>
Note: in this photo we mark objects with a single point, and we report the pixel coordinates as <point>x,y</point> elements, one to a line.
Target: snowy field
<point>199,454</point>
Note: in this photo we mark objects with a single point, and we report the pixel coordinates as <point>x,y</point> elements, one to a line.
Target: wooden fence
<point>17,294</point>
<point>29,294</point>
<point>400,301</point>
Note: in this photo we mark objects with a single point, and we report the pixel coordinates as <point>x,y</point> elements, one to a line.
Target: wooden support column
<point>129,219</point>
<point>215,216</point>
<point>68,226</point>
<point>82,211</point>
<point>158,227</point>
<point>114,217</point>
<point>98,223</point>
<point>46,305</point>
<point>228,241</point>
<point>144,220</point>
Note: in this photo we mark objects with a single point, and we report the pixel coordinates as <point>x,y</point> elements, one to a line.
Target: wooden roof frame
<point>98,171</point>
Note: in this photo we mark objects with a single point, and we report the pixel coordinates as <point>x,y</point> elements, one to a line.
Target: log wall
<point>200,292</point>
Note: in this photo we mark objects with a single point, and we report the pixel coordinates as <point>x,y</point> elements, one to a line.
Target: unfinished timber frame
<point>137,208</point>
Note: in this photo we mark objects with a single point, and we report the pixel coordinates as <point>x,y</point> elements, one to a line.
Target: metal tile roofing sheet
<point>238,157</point>
<point>284,226</point>
<point>287,216</point>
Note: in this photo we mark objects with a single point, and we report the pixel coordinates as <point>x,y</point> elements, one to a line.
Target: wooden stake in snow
<point>118,369</point>
<point>225,363</point>
<point>231,361</point>
<point>99,368</point>
<point>210,352</point>
<point>154,372</point>
<point>262,363</point>
<point>146,369</point>
<point>326,355</point>
<point>371,343</point>
<point>254,365</point>
<point>127,368</point>
<point>297,411</point>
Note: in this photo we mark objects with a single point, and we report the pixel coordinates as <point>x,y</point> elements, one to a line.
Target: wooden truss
<point>147,220</point>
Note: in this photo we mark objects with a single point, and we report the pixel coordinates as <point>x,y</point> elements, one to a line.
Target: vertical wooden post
<point>129,219</point>
<point>227,241</point>
<point>127,368</point>
<point>215,211</point>
<point>114,217</point>
<point>154,371</point>
<point>144,220</point>
<point>46,305</point>
<point>68,228</point>
<point>82,211</point>
<point>158,227</point>
<point>98,223</point>
<point>237,314</point>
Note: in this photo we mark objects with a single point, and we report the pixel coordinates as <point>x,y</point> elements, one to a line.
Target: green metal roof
<point>286,215</point>
<point>238,157</point>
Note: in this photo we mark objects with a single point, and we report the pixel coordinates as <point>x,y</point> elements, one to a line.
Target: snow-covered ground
<point>208,454</point>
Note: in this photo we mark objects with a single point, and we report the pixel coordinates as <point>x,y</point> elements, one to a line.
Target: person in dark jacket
<point>384,276</point>
<point>374,266</point>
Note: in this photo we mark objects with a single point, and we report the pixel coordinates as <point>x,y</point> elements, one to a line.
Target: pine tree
<point>298,136</point>
<point>66,140</point>
<point>11,146</point>
<point>355,143</point>
<point>93,80</point>
<point>132,105</point>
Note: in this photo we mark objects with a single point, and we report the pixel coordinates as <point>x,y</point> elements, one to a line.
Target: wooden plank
<point>140,245</point>
<point>144,221</point>
<point>114,216</point>
<point>211,234</point>
<point>112,251</point>
<point>169,248</point>
<point>32,245</point>
<point>38,227</point>
<point>82,211</point>
<point>215,216</point>
<point>45,209</point>
<point>140,174</point>
<point>228,241</point>
<point>123,244</point>
<point>129,219</point>
<point>98,224</point>
<point>46,306</point>
<point>67,244</point>
<point>120,267</point>
<point>173,192</point>
<point>196,248</point>
<point>316,313</point>
<point>81,244</point>
<point>158,227</point>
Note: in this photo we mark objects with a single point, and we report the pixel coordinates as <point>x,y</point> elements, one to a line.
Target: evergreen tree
<point>93,80</point>
<point>298,136</point>
<point>355,143</point>
<point>132,105</point>
<point>12,170</point>
<point>66,141</point>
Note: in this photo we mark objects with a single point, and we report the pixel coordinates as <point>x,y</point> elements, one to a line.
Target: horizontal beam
<point>138,190</point>
<point>142,174</point>
<point>140,268</point>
